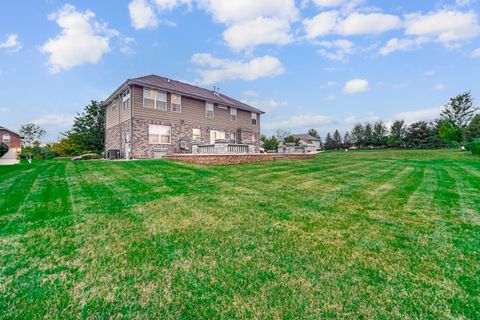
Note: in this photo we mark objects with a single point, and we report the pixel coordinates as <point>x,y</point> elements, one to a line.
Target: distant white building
<point>308,140</point>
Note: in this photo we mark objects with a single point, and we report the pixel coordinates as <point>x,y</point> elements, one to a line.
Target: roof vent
<point>168,80</point>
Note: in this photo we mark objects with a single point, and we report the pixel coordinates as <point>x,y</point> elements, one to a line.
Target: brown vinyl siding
<point>119,115</point>
<point>193,112</point>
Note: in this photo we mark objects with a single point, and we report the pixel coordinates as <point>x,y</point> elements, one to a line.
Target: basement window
<point>159,134</point>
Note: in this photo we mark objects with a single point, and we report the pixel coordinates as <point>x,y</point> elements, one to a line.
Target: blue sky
<point>324,64</point>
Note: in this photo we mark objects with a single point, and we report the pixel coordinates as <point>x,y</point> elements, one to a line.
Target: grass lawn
<point>380,234</point>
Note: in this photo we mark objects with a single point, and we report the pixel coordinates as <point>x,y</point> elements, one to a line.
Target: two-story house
<point>150,115</point>
<point>13,140</point>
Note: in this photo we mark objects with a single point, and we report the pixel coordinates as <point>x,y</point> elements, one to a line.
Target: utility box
<point>113,154</point>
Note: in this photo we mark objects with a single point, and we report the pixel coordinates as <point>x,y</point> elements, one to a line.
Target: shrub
<point>474,146</point>
<point>3,149</point>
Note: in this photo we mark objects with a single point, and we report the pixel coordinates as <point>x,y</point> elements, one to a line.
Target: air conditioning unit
<point>113,154</point>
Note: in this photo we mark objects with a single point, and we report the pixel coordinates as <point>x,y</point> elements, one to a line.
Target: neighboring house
<point>150,115</point>
<point>306,139</point>
<point>13,140</point>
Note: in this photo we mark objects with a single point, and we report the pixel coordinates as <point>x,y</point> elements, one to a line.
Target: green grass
<point>381,234</point>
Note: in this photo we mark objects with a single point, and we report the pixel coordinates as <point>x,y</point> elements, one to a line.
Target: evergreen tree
<point>358,135</point>
<point>368,135</point>
<point>397,135</point>
<point>337,140</point>
<point>419,135</point>
<point>379,136</point>
<point>329,144</point>
<point>314,133</point>
<point>269,144</point>
<point>460,110</point>
<point>347,140</point>
<point>473,130</point>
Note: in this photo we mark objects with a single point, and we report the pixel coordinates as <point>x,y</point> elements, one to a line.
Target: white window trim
<point>159,142</point>
<point>217,133</point>
<point>207,104</point>
<point>233,112</point>
<point>200,134</point>
<point>254,117</point>
<point>171,102</point>
<point>6,140</point>
<point>126,98</point>
<point>157,93</point>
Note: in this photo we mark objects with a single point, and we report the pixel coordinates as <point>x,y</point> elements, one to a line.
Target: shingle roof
<point>306,137</point>
<point>186,89</point>
<point>6,129</point>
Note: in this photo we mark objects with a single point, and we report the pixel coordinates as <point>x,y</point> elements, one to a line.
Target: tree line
<point>458,124</point>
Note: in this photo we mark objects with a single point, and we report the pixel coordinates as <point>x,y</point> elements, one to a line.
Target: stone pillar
<point>221,146</point>
<point>281,147</point>
<point>251,146</point>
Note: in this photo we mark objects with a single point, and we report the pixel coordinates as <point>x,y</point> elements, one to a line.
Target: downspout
<point>119,123</point>
<point>131,120</point>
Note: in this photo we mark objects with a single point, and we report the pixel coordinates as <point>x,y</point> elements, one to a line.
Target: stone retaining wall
<point>234,158</point>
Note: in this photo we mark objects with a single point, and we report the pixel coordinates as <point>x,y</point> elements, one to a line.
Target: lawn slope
<point>381,234</point>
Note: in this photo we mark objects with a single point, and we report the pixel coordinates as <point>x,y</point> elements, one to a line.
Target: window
<point>233,137</point>
<point>254,118</point>
<point>154,99</point>
<point>114,106</point>
<point>216,135</point>
<point>209,110</point>
<point>6,138</point>
<point>126,100</point>
<point>196,135</point>
<point>159,134</point>
<point>176,103</point>
<point>233,114</point>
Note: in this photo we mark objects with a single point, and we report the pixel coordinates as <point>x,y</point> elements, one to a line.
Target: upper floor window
<point>196,134</point>
<point>254,118</point>
<point>126,100</point>
<point>176,103</point>
<point>159,134</point>
<point>114,106</point>
<point>154,99</point>
<point>233,114</point>
<point>209,110</point>
<point>6,138</point>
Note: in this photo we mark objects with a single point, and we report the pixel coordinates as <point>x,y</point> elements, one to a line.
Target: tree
<point>314,133</point>
<point>292,139</point>
<point>347,140</point>
<point>473,129</point>
<point>3,149</point>
<point>281,134</point>
<point>460,110</point>
<point>419,135</point>
<point>368,135</point>
<point>379,135</point>
<point>89,128</point>
<point>449,132</point>
<point>269,144</point>
<point>329,143</point>
<point>396,138</point>
<point>64,147</point>
<point>358,135</point>
<point>32,134</point>
<point>337,140</point>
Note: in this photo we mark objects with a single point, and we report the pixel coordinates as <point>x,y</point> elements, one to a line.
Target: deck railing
<point>237,148</point>
<point>206,148</point>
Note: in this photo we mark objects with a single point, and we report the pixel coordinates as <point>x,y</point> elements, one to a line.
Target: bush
<point>38,153</point>
<point>3,149</point>
<point>474,146</point>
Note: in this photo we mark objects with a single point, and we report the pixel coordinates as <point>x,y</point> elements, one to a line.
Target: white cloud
<point>443,26</point>
<point>330,22</point>
<point>299,122</point>
<point>172,4</point>
<point>329,3</point>
<point>369,117</point>
<point>82,40</point>
<point>373,23</point>
<point>259,31</point>
<point>54,120</point>
<point>328,84</point>
<point>250,93</point>
<point>418,115</point>
<point>463,3</point>
<point>336,50</point>
<point>355,86</point>
<point>268,105</point>
<point>429,73</point>
<point>12,43</point>
<point>142,14</point>
<point>401,45</point>
<point>476,53</point>
<point>330,97</point>
<point>439,87</point>
<point>320,25</point>
<point>216,70</point>
<point>2,110</point>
